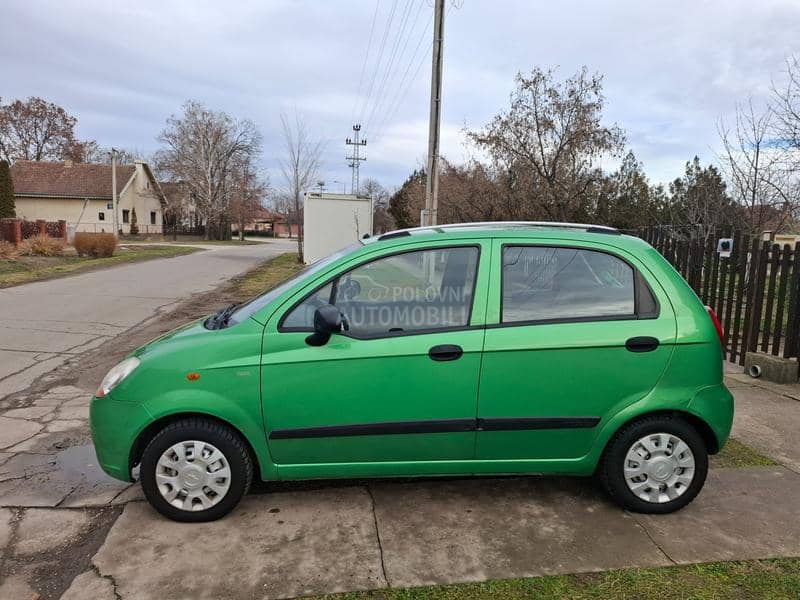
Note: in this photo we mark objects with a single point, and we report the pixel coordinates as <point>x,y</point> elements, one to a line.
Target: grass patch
<point>35,268</point>
<point>267,275</point>
<point>736,454</point>
<point>191,240</point>
<point>771,579</point>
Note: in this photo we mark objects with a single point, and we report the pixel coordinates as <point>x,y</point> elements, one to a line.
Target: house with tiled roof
<point>81,195</point>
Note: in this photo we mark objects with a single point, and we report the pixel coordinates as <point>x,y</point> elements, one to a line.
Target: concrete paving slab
<point>17,588</point>
<point>277,546</point>
<point>471,530</point>
<point>740,514</point>
<point>768,422</point>
<point>6,517</point>
<point>31,412</point>
<point>64,425</point>
<point>42,530</point>
<point>14,431</point>
<point>90,585</point>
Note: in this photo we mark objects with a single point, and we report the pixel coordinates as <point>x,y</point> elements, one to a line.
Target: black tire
<point>611,469</point>
<point>225,439</point>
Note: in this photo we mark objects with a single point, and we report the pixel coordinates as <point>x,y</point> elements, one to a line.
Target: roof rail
<point>588,228</point>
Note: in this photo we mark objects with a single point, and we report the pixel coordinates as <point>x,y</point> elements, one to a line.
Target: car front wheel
<point>655,465</point>
<point>195,470</point>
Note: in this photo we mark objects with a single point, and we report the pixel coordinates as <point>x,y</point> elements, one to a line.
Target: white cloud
<point>671,69</point>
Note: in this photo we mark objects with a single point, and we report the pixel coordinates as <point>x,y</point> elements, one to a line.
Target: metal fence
<point>754,291</point>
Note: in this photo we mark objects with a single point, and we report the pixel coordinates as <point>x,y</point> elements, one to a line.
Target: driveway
<point>45,323</point>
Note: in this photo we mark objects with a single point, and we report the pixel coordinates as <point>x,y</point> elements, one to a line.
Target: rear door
<point>574,333</point>
<point>400,385</point>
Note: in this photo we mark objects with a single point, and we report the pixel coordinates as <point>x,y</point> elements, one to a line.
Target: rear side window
<point>551,284</point>
<point>425,290</point>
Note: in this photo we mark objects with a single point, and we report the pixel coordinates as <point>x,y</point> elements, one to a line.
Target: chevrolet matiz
<point>458,350</point>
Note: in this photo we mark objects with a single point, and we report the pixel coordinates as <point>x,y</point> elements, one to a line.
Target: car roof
<point>542,230</point>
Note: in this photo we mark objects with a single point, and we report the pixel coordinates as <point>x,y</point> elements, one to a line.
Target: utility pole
<point>355,159</point>
<point>432,181</point>
<point>114,189</point>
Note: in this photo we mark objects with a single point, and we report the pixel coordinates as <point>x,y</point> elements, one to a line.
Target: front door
<point>401,384</point>
<point>579,334</point>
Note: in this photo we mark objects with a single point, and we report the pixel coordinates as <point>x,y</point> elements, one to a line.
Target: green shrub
<point>96,245</point>
<point>134,222</point>
<point>7,208</point>
<point>41,245</point>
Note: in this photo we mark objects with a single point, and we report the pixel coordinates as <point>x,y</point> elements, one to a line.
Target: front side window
<point>548,283</point>
<point>126,215</point>
<point>413,291</point>
<point>152,217</point>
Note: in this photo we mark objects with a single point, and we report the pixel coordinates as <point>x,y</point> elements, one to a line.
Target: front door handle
<point>642,343</point>
<point>445,352</point>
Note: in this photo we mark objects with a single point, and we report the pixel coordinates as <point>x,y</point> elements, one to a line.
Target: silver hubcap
<point>659,467</point>
<point>193,475</point>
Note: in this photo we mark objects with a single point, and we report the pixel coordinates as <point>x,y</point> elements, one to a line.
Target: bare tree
<point>382,221</point>
<point>552,138</point>
<point>203,148</point>
<point>786,106</point>
<point>248,195</point>
<point>35,129</point>
<point>299,167</point>
<point>755,169</point>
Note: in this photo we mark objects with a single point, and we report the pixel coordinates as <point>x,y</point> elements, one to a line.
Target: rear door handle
<point>445,352</point>
<point>642,343</point>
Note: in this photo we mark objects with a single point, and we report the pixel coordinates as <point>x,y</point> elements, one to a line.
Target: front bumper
<point>115,426</point>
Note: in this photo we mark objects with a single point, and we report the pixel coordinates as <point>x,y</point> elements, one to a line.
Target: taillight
<point>717,324</point>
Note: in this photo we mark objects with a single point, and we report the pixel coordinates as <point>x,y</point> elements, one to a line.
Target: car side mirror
<point>327,320</point>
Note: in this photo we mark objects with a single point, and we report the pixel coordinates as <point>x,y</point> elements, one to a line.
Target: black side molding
<point>389,428</point>
<point>437,426</point>
<point>533,423</point>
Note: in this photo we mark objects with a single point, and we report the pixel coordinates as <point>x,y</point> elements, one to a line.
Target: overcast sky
<point>671,68</point>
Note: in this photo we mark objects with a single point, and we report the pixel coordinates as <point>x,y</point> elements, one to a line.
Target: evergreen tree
<point>7,208</point>
<point>134,222</point>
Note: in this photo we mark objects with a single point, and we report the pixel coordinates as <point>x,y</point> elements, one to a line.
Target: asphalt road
<point>42,324</point>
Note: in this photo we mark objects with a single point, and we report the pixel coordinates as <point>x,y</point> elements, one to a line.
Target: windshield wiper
<point>220,319</point>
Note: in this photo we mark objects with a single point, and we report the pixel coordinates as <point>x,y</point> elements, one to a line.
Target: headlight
<point>115,376</point>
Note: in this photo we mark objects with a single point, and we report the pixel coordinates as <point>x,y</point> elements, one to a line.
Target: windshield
<point>248,309</point>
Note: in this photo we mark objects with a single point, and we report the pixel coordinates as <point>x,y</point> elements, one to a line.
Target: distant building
<point>81,195</point>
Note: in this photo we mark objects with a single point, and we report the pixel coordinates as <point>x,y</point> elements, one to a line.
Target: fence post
<point>772,263</point>
<point>790,345</point>
<point>740,279</point>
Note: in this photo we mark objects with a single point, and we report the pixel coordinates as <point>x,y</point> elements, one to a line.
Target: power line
<point>401,91</point>
<point>394,55</point>
<point>378,60</point>
<point>366,56</point>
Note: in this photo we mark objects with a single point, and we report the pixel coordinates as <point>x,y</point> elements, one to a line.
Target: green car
<point>459,350</point>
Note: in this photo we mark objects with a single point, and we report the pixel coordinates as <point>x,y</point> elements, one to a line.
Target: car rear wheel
<point>195,470</point>
<point>655,465</point>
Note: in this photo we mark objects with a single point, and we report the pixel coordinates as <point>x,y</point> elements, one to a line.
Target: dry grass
<point>41,245</point>
<point>8,250</point>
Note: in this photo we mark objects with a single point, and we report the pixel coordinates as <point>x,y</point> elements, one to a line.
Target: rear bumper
<point>714,404</point>
<point>115,426</point>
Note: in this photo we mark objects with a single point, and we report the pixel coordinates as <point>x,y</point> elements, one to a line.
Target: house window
<point>126,215</point>
<point>152,217</point>
<point>101,216</point>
